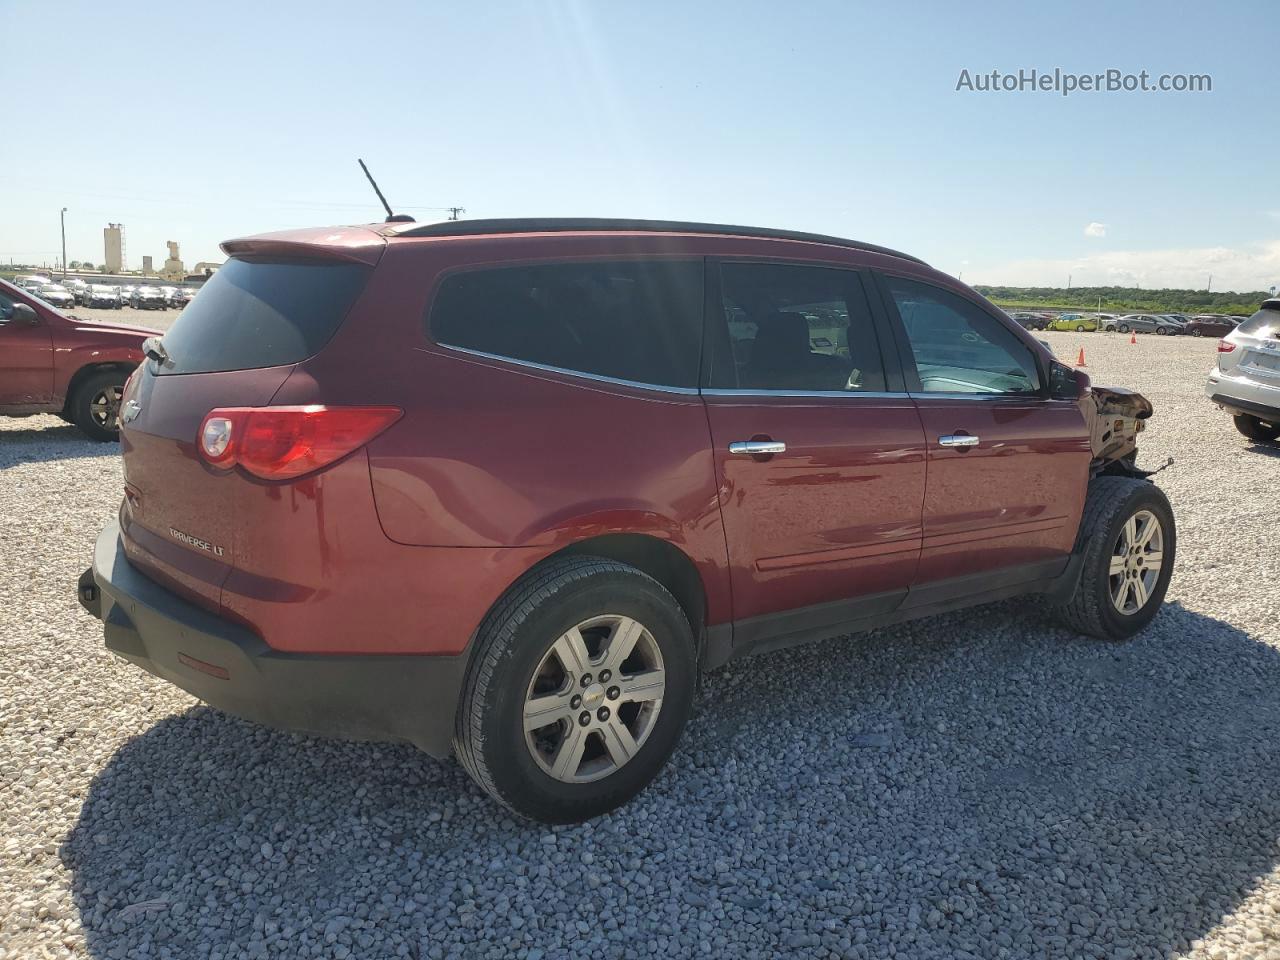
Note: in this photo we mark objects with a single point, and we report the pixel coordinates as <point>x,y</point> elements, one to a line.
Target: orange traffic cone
<point>1080,359</point>
<point>1133,338</point>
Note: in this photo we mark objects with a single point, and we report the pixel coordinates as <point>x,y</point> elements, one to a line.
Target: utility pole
<point>454,211</point>
<point>1209,286</point>
<point>63,217</point>
<point>1068,281</point>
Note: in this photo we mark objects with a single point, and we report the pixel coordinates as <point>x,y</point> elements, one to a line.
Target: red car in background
<point>53,363</point>
<point>1211,326</point>
<point>506,488</point>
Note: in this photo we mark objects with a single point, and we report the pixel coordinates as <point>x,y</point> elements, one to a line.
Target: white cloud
<point>1095,229</point>
<point>1242,269</point>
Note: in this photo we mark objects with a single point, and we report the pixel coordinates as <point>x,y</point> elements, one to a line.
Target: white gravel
<point>977,785</point>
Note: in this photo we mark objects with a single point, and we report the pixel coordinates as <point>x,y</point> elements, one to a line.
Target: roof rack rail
<point>459,228</point>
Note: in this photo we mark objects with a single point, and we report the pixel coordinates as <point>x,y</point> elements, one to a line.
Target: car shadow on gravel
<point>943,789</point>
<point>43,444</point>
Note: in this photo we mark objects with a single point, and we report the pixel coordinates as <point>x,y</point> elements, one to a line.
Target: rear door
<point>233,346</point>
<point>819,458</point>
<point>26,360</point>
<point>1008,467</point>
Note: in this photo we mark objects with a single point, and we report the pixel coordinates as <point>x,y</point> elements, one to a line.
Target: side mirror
<point>24,314</point>
<point>1066,383</point>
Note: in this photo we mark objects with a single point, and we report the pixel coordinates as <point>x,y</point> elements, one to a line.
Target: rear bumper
<point>1243,395</point>
<point>409,698</point>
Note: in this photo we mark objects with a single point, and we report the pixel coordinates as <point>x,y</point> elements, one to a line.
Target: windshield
<point>257,314</point>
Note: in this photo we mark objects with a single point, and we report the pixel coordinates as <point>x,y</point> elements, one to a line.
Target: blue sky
<point>201,122</point>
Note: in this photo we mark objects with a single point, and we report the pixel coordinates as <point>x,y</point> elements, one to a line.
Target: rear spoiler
<point>341,244</point>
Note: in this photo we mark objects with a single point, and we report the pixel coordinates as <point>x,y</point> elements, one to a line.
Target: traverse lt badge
<point>196,542</point>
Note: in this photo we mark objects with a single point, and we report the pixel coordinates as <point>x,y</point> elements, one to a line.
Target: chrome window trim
<point>740,392</point>
<point>1001,397</point>
<point>595,377</point>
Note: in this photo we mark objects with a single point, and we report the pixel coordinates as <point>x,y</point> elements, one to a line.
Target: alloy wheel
<point>105,407</point>
<point>1136,558</point>
<point>594,698</point>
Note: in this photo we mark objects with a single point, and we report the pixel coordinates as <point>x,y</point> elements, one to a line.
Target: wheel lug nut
<point>613,693</point>
<point>584,718</point>
<point>586,680</point>
<point>604,676</point>
<point>602,714</point>
<point>575,702</point>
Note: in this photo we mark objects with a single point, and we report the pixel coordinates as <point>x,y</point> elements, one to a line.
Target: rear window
<point>258,314</point>
<point>635,320</point>
<point>1264,323</point>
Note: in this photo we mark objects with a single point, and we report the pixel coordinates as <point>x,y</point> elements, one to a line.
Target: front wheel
<point>1127,541</point>
<point>581,684</point>
<point>1256,429</point>
<point>1124,328</point>
<point>1161,331</point>
<point>1196,333</point>
<point>95,407</point>
<point>1079,328</point>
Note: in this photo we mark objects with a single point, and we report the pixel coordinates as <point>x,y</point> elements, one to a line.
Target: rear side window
<point>633,320</point>
<point>797,328</point>
<point>258,314</point>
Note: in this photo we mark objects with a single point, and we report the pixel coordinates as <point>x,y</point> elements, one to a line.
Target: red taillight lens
<point>1224,347</point>
<point>280,443</point>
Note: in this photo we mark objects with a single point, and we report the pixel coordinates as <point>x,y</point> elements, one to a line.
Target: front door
<point>1008,467</point>
<point>821,469</point>
<point>26,361</point>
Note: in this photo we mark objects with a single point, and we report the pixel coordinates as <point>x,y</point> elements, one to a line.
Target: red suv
<point>52,363</point>
<point>505,488</point>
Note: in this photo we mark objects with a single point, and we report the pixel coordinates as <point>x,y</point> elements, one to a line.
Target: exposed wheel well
<point>87,371</point>
<point>663,561</point>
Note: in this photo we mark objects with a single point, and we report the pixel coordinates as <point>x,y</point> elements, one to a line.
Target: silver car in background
<point>1246,381</point>
<point>1140,323</point>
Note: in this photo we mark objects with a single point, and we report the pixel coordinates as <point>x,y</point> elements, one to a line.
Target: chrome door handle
<point>959,440</point>
<point>754,448</point>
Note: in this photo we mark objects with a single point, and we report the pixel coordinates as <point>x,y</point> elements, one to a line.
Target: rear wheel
<point>1256,429</point>
<point>1079,328</point>
<point>582,681</point>
<point>95,408</point>
<point>1196,333</point>
<point>1127,540</point>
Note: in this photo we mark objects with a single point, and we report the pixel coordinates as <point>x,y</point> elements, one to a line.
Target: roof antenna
<point>391,217</point>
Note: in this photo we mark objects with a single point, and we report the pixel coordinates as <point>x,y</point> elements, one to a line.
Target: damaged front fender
<point>1115,417</point>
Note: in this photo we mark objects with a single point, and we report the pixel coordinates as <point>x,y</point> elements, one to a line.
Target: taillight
<point>1225,347</point>
<point>279,443</point>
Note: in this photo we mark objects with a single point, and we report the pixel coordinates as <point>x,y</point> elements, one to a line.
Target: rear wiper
<point>154,348</point>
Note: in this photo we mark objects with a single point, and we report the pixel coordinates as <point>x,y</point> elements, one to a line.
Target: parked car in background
<point>56,294</point>
<point>77,288</point>
<point>182,296</point>
<point>125,293</point>
<point>1246,381</point>
<point>1030,321</point>
<point>310,445</point>
<point>52,363</point>
<point>1142,323</point>
<point>101,295</point>
<point>167,292</point>
<point>147,297</point>
<point>1073,321</point>
<point>1208,326</point>
<point>31,281</point>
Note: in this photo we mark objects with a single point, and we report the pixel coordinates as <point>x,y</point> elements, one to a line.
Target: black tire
<point>1256,429</point>
<point>1161,331</point>
<point>1079,328</point>
<point>1123,328</point>
<point>1196,333</point>
<point>90,390</point>
<point>511,643</point>
<point>1110,502</point>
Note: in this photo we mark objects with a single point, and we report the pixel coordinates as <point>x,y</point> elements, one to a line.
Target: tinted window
<point>958,347</point>
<point>6,307</point>
<point>797,328</point>
<point>262,315</point>
<point>639,320</point>
<point>1264,323</point>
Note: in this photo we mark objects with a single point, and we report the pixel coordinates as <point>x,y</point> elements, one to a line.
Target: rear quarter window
<point>635,320</point>
<point>262,314</point>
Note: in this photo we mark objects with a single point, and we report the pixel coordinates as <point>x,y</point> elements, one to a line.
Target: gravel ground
<point>156,319</point>
<point>982,784</point>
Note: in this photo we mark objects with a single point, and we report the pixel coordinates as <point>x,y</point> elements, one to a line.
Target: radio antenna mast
<point>391,217</point>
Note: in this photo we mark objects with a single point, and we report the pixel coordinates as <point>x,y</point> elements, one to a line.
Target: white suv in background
<point>1246,382</point>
